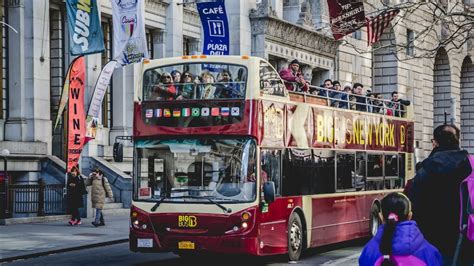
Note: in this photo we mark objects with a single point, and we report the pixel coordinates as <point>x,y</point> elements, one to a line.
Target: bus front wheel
<point>295,237</point>
<point>374,219</point>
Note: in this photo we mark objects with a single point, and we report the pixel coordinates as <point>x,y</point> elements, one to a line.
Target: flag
<point>215,111</point>
<point>376,26</point>
<point>97,98</point>
<point>225,111</point>
<point>167,113</point>
<point>129,31</point>
<point>345,16</point>
<point>76,115</point>
<point>186,112</point>
<point>176,112</point>
<point>85,31</point>
<point>158,112</point>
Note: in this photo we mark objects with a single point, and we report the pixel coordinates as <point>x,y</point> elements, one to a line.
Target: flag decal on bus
<point>149,113</point>
<point>176,112</point>
<point>215,111</point>
<point>205,111</point>
<point>235,111</point>
<point>225,111</point>
<point>158,112</point>
<point>167,113</point>
<point>196,112</point>
<point>186,112</point>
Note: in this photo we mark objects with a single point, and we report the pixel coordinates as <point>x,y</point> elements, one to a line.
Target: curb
<point>62,250</point>
<point>34,219</point>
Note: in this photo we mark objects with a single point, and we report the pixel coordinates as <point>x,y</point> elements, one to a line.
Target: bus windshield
<point>194,81</point>
<point>196,170</point>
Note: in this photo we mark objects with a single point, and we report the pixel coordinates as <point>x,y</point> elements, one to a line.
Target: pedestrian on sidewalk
<point>75,191</point>
<point>398,241</point>
<point>100,190</point>
<point>435,191</point>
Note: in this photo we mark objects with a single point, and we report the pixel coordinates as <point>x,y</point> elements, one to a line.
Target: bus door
<point>273,221</point>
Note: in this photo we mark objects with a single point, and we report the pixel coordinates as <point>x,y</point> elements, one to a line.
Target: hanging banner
<point>97,97</point>
<point>345,16</point>
<point>85,31</point>
<point>129,31</point>
<point>64,94</point>
<point>215,27</point>
<point>76,115</point>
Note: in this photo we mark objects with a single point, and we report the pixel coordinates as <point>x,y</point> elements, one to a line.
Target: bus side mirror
<point>269,191</point>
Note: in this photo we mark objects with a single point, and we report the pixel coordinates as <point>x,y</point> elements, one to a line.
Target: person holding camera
<point>100,190</point>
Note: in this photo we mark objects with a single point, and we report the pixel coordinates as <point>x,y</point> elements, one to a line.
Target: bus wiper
<point>157,204</point>
<point>226,210</point>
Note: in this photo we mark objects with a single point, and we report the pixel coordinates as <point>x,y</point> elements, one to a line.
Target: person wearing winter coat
<point>75,191</point>
<point>398,241</point>
<point>100,190</point>
<point>294,79</point>
<point>435,190</point>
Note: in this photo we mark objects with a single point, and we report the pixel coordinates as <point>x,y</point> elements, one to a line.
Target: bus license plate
<point>145,243</point>
<point>185,245</point>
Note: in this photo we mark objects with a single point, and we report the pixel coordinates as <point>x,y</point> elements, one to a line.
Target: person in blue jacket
<point>398,241</point>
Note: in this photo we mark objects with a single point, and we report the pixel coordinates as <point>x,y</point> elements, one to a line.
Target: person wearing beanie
<point>294,79</point>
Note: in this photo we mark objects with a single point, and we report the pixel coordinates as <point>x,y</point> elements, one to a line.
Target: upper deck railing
<point>350,101</point>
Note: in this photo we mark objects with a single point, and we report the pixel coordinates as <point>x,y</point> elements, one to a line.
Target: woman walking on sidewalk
<point>75,189</point>
<point>100,190</point>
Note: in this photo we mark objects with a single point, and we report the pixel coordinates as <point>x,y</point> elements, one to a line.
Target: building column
<point>291,11</point>
<point>15,126</point>
<point>239,26</point>
<point>159,44</point>
<point>29,105</point>
<point>122,101</point>
<point>277,6</point>
<point>174,29</point>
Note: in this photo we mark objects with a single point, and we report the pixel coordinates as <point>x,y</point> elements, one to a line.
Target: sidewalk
<point>30,240</point>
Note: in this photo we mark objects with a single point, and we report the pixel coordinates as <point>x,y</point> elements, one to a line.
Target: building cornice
<point>156,7</point>
<point>264,21</point>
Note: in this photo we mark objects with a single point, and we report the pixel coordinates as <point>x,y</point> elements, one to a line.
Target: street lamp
<point>5,153</point>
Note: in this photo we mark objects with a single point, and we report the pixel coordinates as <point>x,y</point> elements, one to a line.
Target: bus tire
<point>374,219</point>
<point>295,237</point>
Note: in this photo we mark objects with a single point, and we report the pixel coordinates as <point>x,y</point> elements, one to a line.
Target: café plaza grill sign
<point>305,126</point>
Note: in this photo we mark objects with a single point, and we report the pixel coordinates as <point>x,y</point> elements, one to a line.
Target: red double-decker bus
<point>227,160</point>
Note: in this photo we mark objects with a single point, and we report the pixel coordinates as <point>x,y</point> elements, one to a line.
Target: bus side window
<point>271,167</point>
<point>391,171</point>
<point>270,81</point>
<point>375,178</point>
<point>361,171</point>
<point>322,172</point>
<point>345,171</point>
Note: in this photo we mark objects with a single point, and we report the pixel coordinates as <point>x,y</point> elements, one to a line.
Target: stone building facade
<point>35,59</point>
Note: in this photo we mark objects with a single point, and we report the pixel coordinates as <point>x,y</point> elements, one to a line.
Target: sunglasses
<point>187,76</point>
<point>167,77</point>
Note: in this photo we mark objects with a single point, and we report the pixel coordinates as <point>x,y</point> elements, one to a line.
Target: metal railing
<point>38,198</point>
<point>350,101</point>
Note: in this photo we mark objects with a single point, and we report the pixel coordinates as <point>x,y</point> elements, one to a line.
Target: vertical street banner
<point>76,115</point>
<point>129,31</point>
<point>64,94</point>
<point>97,97</point>
<point>215,27</point>
<point>345,16</point>
<point>85,31</point>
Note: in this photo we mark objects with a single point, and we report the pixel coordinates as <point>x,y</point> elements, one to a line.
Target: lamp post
<point>6,213</point>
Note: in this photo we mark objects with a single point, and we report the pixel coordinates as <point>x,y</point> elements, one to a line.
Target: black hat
<point>295,61</point>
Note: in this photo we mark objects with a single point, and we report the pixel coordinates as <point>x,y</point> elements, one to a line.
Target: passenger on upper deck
<point>207,89</point>
<point>344,103</point>
<point>165,90</point>
<point>397,105</point>
<point>176,76</point>
<point>226,88</point>
<point>186,88</point>
<point>358,98</point>
<point>293,77</point>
